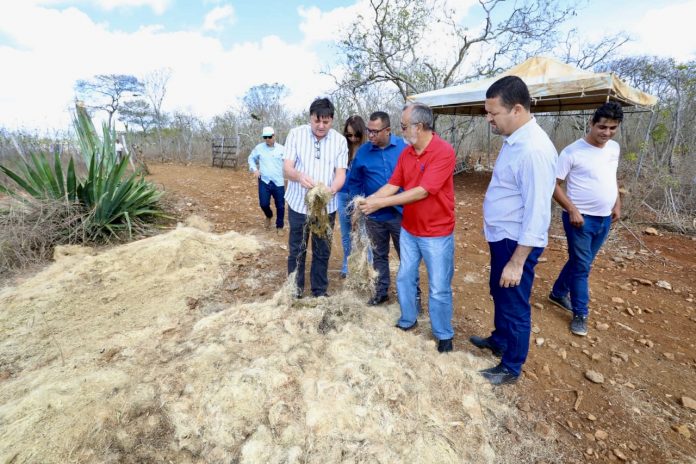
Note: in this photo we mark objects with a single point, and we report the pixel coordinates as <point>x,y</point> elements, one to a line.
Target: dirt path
<point>641,337</point>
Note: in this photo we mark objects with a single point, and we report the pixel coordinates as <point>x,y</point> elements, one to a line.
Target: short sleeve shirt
<point>590,175</point>
<point>432,216</point>
<point>318,159</point>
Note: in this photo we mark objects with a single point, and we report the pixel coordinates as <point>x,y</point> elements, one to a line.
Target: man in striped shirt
<point>314,153</point>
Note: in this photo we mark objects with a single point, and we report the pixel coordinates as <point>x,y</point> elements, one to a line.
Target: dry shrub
<point>30,229</point>
<point>317,199</point>
<point>362,276</point>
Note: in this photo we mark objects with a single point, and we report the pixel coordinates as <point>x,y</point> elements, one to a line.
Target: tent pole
<point>644,148</point>
<point>454,134</point>
<point>489,146</point>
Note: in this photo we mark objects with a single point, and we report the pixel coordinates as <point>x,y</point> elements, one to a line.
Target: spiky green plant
<point>116,202</point>
<point>43,179</point>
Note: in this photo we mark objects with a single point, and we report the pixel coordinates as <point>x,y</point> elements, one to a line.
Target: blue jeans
<point>268,190</point>
<point>513,313</point>
<point>344,221</point>
<point>583,244</point>
<point>438,254</point>
<point>321,252</point>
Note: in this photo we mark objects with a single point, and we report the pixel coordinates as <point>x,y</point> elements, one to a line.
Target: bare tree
<point>662,173</point>
<point>155,89</point>
<point>264,102</point>
<point>106,91</point>
<point>186,128</point>
<point>384,46</point>
<point>588,55</point>
<point>138,112</point>
<point>675,85</point>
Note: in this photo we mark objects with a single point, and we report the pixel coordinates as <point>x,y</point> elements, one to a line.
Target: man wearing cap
<point>266,162</point>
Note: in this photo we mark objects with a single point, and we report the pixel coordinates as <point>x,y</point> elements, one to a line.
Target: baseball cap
<point>267,131</point>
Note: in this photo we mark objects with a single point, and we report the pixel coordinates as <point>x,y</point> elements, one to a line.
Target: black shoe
<point>406,329</point>
<point>377,300</point>
<point>320,294</point>
<point>444,346</point>
<point>578,325</point>
<point>499,375</point>
<point>562,302</point>
<point>485,344</point>
<point>343,275</point>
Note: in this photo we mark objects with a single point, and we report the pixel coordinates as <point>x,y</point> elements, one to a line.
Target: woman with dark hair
<point>356,134</point>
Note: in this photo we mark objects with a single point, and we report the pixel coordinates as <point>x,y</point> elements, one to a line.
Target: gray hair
<point>420,113</point>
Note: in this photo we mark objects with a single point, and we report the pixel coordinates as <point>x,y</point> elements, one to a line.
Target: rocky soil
<point>624,393</point>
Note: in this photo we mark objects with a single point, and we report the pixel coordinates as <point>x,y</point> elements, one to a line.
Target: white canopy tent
<point>553,85</point>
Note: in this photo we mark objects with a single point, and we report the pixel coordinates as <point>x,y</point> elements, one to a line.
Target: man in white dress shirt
<point>516,216</point>
<point>591,204</point>
<point>314,153</point>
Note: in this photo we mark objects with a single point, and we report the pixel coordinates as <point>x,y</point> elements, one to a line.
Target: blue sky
<point>217,49</point>
<point>248,20</point>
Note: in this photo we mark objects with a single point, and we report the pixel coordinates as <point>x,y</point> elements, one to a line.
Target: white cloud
<point>662,28</point>
<point>157,6</point>
<point>666,31</point>
<point>218,16</point>
<point>49,49</point>
<point>321,26</point>
<point>52,49</point>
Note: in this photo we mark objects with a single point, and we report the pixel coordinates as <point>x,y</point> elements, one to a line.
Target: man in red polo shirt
<point>424,172</point>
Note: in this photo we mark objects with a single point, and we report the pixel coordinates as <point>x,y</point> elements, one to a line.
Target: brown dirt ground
<point>641,336</point>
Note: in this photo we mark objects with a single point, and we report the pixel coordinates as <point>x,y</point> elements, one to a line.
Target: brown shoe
<point>267,223</point>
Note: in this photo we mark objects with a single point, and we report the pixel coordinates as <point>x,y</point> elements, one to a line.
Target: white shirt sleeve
<point>563,165</point>
<point>536,181</point>
<point>253,159</point>
<point>342,158</point>
<point>290,149</point>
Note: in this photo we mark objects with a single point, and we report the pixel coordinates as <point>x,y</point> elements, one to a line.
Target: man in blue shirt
<point>372,168</point>
<point>516,216</point>
<point>266,162</point>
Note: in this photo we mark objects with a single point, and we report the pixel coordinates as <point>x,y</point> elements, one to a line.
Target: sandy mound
<point>104,358</point>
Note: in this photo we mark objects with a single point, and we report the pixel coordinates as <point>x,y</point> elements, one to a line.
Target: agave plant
<point>43,179</point>
<point>116,202</point>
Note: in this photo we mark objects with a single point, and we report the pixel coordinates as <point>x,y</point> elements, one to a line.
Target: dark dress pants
<point>513,315</point>
<point>380,232</point>
<point>268,190</point>
<point>321,252</point>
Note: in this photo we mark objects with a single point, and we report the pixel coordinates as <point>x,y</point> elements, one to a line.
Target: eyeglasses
<point>317,149</point>
<point>406,126</point>
<point>375,132</point>
<point>266,137</point>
